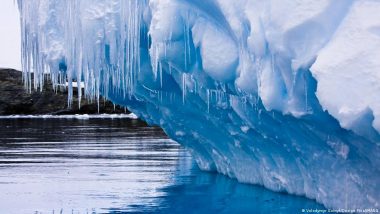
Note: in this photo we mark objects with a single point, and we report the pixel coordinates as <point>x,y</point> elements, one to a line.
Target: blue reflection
<point>194,191</point>
<point>116,166</point>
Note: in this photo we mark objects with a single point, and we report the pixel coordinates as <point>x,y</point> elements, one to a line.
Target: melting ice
<point>280,93</point>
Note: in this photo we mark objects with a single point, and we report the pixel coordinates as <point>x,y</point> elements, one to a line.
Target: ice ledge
<point>231,81</point>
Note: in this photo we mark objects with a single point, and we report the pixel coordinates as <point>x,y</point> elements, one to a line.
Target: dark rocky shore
<point>14,99</point>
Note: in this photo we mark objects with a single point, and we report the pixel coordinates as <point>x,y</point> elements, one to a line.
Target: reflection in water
<point>116,166</point>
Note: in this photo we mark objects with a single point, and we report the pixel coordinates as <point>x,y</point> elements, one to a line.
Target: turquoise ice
<point>280,93</point>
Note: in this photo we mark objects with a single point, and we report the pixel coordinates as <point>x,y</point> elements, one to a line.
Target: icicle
<point>208,100</point>
<point>161,84</point>
<point>306,94</point>
<point>183,87</point>
<point>112,56</point>
<point>154,61</point>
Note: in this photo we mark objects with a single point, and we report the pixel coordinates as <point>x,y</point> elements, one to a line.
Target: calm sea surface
<point>116,166</point>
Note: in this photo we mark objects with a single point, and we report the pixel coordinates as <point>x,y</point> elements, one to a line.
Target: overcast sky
<point>10,41</point>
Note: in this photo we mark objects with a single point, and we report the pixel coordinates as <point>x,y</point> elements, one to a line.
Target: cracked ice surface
<point>281,93</point>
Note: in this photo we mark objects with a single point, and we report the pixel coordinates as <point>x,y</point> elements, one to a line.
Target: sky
<point>10,36</point>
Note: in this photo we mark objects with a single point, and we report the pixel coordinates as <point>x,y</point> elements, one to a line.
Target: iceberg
<point>279,93</point>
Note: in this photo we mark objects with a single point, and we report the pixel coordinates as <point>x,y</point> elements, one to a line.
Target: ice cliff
<point>281,93</point>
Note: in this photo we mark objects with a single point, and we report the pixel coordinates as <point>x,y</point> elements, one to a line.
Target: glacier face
<point>281,93</point>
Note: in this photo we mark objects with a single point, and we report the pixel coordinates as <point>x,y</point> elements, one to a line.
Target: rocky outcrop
<point>15,99</point>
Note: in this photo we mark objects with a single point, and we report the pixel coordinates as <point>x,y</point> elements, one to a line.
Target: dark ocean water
<point>116,166</point>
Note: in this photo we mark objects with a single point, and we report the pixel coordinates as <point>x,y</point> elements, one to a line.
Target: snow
<point>280,93</point>
<point>348,82</point>
<point>219,53</point>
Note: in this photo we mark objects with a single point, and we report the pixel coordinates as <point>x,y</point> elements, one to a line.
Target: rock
<point>15,99</point>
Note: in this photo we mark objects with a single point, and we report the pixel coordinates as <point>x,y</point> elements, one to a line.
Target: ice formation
<point>281,93</point>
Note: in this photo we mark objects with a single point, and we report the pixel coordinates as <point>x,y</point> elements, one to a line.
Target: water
<point>116,166</point>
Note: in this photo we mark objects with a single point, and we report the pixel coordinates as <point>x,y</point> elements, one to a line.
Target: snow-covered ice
<point>281,93</point>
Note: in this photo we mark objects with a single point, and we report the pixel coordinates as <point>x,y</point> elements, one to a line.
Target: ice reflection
<point>115,166</point>
<point>50,165</point>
